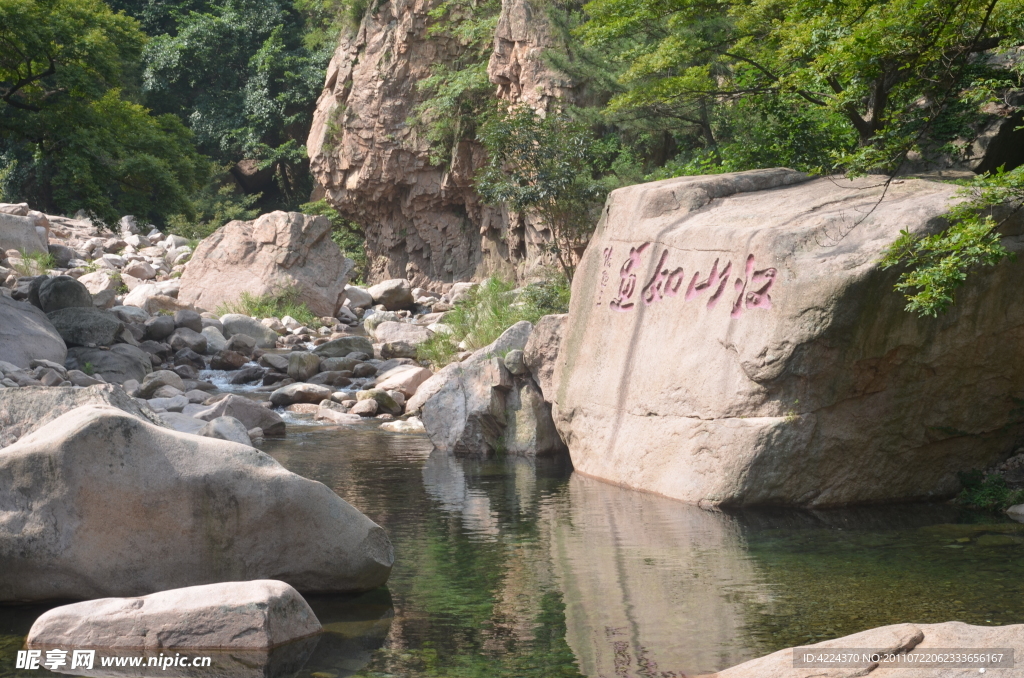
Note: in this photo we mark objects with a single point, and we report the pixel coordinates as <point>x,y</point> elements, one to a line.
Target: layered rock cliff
<point>423,222</point>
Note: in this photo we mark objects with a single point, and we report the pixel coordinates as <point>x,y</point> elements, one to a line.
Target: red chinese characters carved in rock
<point>751,290</point>
<point>627,283</point>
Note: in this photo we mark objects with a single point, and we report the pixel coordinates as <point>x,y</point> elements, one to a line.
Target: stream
<point>509,567</point>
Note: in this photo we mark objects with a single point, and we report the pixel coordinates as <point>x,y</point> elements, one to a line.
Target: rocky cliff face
<point>423,222</point>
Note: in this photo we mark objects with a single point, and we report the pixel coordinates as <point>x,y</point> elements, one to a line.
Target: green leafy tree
<point>939,264</point>
<point>73,140</point>
<point>547,166</point>
<point>241,77</point>
<point>891,72</point>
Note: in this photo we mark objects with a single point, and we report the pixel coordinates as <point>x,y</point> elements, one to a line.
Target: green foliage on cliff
<point>987,492</point>
<point>458,93</point>
<point>547,166</point>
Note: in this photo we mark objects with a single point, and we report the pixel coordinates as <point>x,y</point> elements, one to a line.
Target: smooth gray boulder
<point>343,346</point>
<point>226,428</point>
<point>86,326</point>
<point>121,363</point>
<point>29,408</point>
<point>19,233</point>
<point>247,411</point>
<point>390,331</point>
<point>215,341</point>
<point>732,340</point>
<point>183,337</point>
<point>159,327</point>
<point>529,430</point>
<point>299,393</point>
<point>235,323</point>
<point>278,250</point>
<point>358,297</point>
<point>394,295</point>
<point>243,615</point>
<point>73,529</point>
<point>63,291</point>
<point>188,318</point>
<point>26,333</point>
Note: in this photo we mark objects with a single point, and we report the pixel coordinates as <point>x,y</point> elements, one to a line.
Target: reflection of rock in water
<point>354,627</point>
<point>652,587</point>
<point>445,481</point>
<point>283,661</point>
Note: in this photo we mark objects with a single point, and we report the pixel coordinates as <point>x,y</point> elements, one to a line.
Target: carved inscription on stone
<point>749,289</point>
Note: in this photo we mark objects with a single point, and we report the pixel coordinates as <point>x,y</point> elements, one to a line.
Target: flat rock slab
<point>252,615</point>
<point>100,503</point>
<point>26,333</point>
<point>916,641</point>
<point>732,340</point>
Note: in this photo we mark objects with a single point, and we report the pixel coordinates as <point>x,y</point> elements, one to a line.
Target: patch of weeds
<point>284,302</point>
<point>987,492</point>
<point>89,369</point>
<point>34,263</point>
<point>489,309</point>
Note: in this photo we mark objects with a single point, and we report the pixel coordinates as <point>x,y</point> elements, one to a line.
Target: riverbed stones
<point>358,297</point>
<point>215,341</point>
<point>299,393</point>
<point>73,529</point>
<point>26,333</point>
<point>279,250</point>
<point>188,318</point>
<point>236,323</point>
<point>247,411</point>
<point>366,408</point>
<point>394,295</point>
<point>247,615</point>
<point>343,346</point>
<point>750,349</point>
<point>227,360</point>
<point>27,409</point>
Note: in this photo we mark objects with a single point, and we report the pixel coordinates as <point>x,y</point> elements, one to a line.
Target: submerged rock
<point>733,340</point>
<point>73,529</point>
<point>250,615</point>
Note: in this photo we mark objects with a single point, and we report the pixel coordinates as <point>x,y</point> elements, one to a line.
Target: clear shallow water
<point>509,568</point>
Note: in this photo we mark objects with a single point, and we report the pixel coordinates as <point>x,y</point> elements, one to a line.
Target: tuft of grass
<point>285,302</point>
<point>89,369</point>
<point>987,492</point>
<point>35,263</point>
<point>489,309</point>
